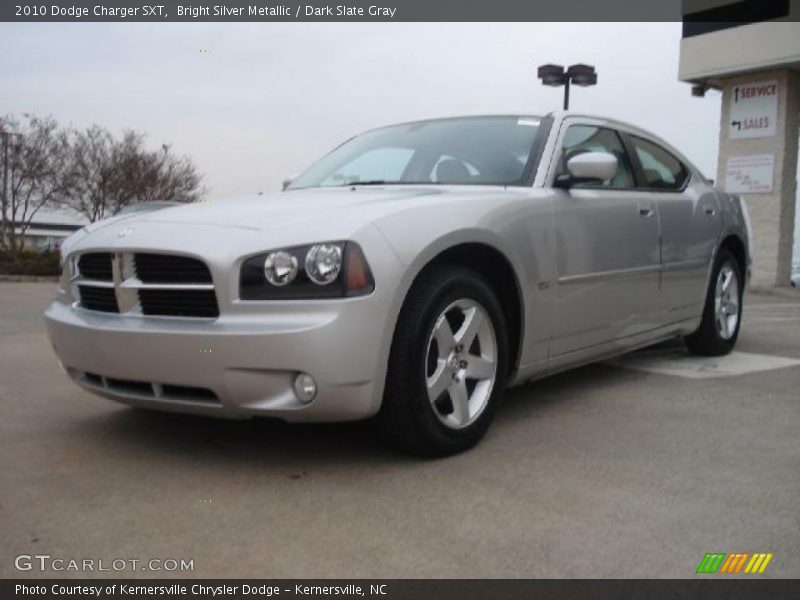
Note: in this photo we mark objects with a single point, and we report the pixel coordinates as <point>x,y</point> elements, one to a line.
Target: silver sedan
<point>411,275</point>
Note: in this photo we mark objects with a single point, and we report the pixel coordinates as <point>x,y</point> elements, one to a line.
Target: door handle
<point>711,211</point>
<point>646,212</point>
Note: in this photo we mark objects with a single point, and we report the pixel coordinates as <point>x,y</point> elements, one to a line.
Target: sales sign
<point>754,110</point>
<point>750,174</point>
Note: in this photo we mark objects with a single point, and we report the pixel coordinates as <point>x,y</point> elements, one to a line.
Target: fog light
<point>305,387</point>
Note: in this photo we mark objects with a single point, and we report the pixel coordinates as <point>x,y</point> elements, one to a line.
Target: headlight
<point>280,268</point>
<point>323,263</point>
<point>324,270</point>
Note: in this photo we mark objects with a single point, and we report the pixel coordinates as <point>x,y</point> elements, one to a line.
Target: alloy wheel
<point>726,301</point>
<point>461,363</point>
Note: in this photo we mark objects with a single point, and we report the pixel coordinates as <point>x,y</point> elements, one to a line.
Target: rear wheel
<point>448,364</point>
<point>722,314</point>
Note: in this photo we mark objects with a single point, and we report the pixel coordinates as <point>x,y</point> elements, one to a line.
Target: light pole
<point>555,76</point>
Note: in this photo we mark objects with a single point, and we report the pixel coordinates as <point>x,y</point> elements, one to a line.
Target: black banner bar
<point>735,13</point>
<point>704,587</point>
<point>346,10</point>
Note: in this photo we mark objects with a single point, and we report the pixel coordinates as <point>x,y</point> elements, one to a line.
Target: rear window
<point>661,170</point>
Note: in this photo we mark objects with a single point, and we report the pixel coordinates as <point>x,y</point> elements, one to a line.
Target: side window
<point>661,170</point>
<point>587,138</point>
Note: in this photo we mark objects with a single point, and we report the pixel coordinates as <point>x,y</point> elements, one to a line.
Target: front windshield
<point>469,151</point>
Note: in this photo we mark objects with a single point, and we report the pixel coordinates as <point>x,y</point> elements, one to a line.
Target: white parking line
<point>771,318</point>
<point>768,306</point>
<point>681,364</point>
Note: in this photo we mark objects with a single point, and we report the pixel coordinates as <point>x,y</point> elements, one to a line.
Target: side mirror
<point>287,182</point>
<point>588,167</point>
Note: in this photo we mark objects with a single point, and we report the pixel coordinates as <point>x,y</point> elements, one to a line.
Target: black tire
<point>407,419</point>
<point>707,340</point>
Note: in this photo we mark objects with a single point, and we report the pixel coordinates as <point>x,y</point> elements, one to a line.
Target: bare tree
<point>90,171</point>
<point>36,165</point>
<point>159,174</point>
<point>109,174</point>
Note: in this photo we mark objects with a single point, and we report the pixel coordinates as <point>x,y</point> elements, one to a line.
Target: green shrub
<point>30,262</point>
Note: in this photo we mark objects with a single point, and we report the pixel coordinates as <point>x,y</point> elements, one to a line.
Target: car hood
<point>286,209</point>
<point>228,229</point>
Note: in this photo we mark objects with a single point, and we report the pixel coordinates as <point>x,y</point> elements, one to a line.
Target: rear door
<point>607,248</point>
<point>690,225</point>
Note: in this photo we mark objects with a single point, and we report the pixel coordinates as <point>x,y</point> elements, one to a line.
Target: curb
<point>29,278</point>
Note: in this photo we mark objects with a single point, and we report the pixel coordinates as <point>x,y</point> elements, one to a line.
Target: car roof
<point>561,115</point>
<point>558,116</point>
<point>453,118</point>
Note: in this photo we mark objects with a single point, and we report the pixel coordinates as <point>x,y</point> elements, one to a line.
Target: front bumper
<point>239,365</point>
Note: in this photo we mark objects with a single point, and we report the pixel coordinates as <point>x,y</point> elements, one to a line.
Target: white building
<point>750,51</point>
<point>49,227</point>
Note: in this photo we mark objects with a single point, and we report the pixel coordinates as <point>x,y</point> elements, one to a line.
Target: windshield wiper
<point>366,182</point>
<point>384,182</point>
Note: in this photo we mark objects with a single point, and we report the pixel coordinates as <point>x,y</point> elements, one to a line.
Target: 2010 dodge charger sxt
<point>411,274</point>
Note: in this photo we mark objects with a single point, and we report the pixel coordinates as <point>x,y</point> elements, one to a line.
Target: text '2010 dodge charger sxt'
<point>411,274</point>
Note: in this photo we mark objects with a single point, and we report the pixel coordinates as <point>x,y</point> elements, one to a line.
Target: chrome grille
<point>103,299</point>
<point>145,284</point>
<point>182,303</point>
<point>96,265</point>
<point>163,268</point>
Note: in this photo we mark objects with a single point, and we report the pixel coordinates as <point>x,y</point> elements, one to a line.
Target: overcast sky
<point>253,103</point>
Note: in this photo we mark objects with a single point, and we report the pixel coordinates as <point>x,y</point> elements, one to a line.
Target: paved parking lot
<point>631,469</point>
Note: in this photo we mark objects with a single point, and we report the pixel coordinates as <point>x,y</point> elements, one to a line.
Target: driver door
<point>607,249</point>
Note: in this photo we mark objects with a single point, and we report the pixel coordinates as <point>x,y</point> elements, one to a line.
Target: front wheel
<point>448,364</point>
<point>722,313</point>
